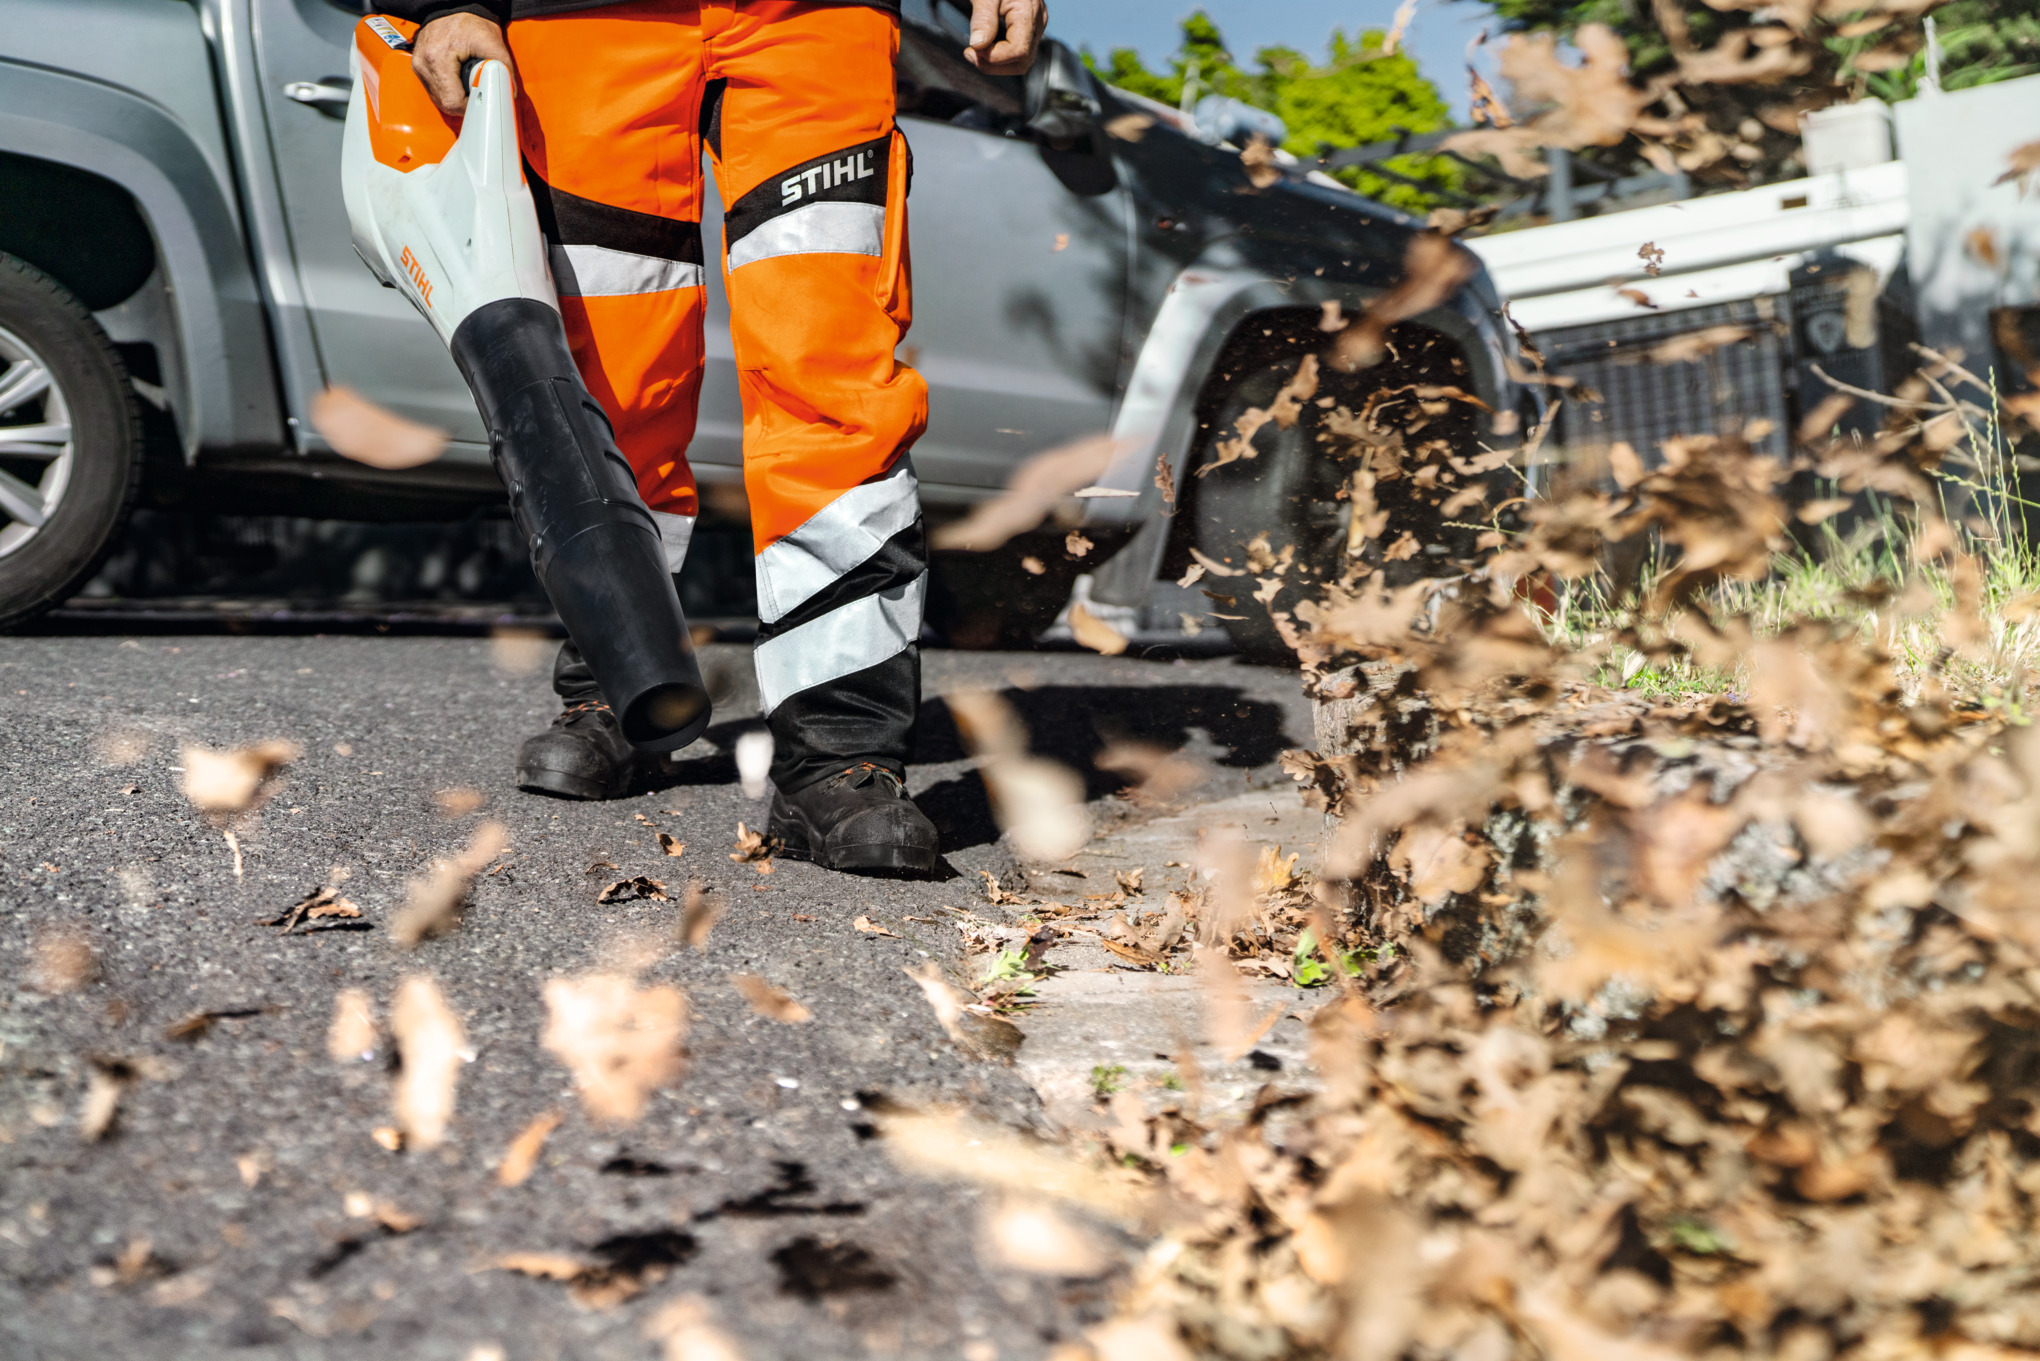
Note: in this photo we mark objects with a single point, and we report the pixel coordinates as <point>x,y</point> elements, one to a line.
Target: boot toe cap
<point>561,763</point>
<point>889,837</point>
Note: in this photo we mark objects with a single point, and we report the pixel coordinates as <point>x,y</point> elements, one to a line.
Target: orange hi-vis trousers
<point>794,103</point>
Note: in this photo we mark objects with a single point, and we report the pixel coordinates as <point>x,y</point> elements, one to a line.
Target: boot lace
<point>865,773</point>
<point>576,713</point>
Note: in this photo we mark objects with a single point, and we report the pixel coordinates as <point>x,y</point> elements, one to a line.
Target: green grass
<point>1869,577</point>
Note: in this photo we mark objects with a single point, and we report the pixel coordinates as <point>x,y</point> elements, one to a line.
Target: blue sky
<point>1437,37</point>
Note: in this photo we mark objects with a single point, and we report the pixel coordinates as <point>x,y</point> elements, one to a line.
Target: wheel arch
<point>74,138</point>
<point>1207,315</point>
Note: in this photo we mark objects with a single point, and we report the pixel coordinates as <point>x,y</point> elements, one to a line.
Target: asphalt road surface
<point>213,1219</point>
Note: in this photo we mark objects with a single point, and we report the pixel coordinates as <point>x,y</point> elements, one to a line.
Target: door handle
<point>328,95</point>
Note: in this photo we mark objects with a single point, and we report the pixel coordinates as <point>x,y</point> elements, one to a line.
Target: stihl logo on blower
<point>417,273</point>
<point>475,265</point>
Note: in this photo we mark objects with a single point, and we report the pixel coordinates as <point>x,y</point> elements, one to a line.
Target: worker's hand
<point>1012,54</point>
<point>442,45</point>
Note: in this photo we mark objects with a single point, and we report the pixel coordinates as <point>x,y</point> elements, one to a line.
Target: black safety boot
<point>859,819</point>
<point>583,755</point>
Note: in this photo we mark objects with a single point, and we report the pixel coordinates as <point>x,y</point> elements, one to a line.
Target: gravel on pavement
<point>240,1204</point>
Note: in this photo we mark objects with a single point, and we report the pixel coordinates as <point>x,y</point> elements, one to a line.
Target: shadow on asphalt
<point>1074,723</point>
<point>1067,723</point>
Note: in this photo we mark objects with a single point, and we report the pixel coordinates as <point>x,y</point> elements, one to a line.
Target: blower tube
<point>593,543</point>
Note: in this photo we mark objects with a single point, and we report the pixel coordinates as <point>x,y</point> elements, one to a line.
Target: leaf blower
<point>440,211</point>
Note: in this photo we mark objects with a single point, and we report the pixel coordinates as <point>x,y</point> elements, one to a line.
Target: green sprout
<point>1107,1079</point>
<point>1307,967</point>
<point>1009,966</point>
<point>1697,1238</point>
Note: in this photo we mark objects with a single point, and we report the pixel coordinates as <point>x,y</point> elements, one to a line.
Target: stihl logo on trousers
<point>859,165</point>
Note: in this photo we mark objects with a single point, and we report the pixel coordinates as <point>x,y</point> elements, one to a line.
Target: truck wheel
<point>70,443</point>
<point>979,601</point>
<point>1293,493</point>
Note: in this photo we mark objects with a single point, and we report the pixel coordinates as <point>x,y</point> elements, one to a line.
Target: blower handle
<point>467,72</point>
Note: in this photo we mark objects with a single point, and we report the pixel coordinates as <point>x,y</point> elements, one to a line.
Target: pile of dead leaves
<point>1704,1026</point>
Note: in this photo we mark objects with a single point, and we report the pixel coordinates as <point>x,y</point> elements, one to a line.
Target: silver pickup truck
<point>177,285</point>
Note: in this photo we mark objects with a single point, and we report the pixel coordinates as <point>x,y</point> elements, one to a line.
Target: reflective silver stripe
<point>835,539</point>
<point>818,228</point>
<point>841,643</point>
<point>674,532</point>
<point>599,272</point>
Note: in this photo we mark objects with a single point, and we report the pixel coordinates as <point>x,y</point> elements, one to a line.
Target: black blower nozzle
<point>593,543</point>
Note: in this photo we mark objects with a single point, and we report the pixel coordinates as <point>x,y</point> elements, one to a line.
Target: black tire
<point>993,600</point>
<point>46,565</point>
<point>1292,492</point>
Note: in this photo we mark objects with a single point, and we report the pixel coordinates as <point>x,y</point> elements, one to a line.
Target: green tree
<point>1360,95</point>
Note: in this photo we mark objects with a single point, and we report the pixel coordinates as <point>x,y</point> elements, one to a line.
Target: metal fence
<point>1634,398</point>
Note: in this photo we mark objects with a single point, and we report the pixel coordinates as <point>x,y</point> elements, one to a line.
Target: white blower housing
<point>454,235</point>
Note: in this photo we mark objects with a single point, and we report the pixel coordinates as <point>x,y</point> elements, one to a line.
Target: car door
<point>368,337</point>
<point>1019,263</point>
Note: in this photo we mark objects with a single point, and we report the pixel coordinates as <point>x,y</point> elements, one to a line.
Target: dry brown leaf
<point>639,887</point>
<point>1694,344</point>
<point>685,1329</point>
<point>699,915</point>
<point>520,651</point>
<point>1038,802</point>
<point>770,1002</point>
<point>952,1145</point>
<point>2021,164</point>
<point>620,1042</point>
<point>107,1079</point>
<point>1257,157</point>
<point>64,961</point>
<point>351,1038</point>
<point>1813,512</point>
<point>1138,1339</point>
<point>973,1028</point>
<point>870,927</point>
<point>1592,104</point>
<point>1434,267</point>
<point>993,893</point>
<point>1092,632</point>
<point>222,783</point>
<point>629,1266</point>
<point>1031,494</point>
<point>1211,565</point>
<point>432,904</point>
<point>362,1205</point>
<point>752,846</point>
<point>430,1051</point>
<point>1024,1235</point>
<point>322,903</point>
<point>359,429</point>
<point>1486,106</point>
<point>1128,127</point>
<point>672,845</point>
<point>1982,243</point>
<point>458,803</point>
<point>521,1157</point>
